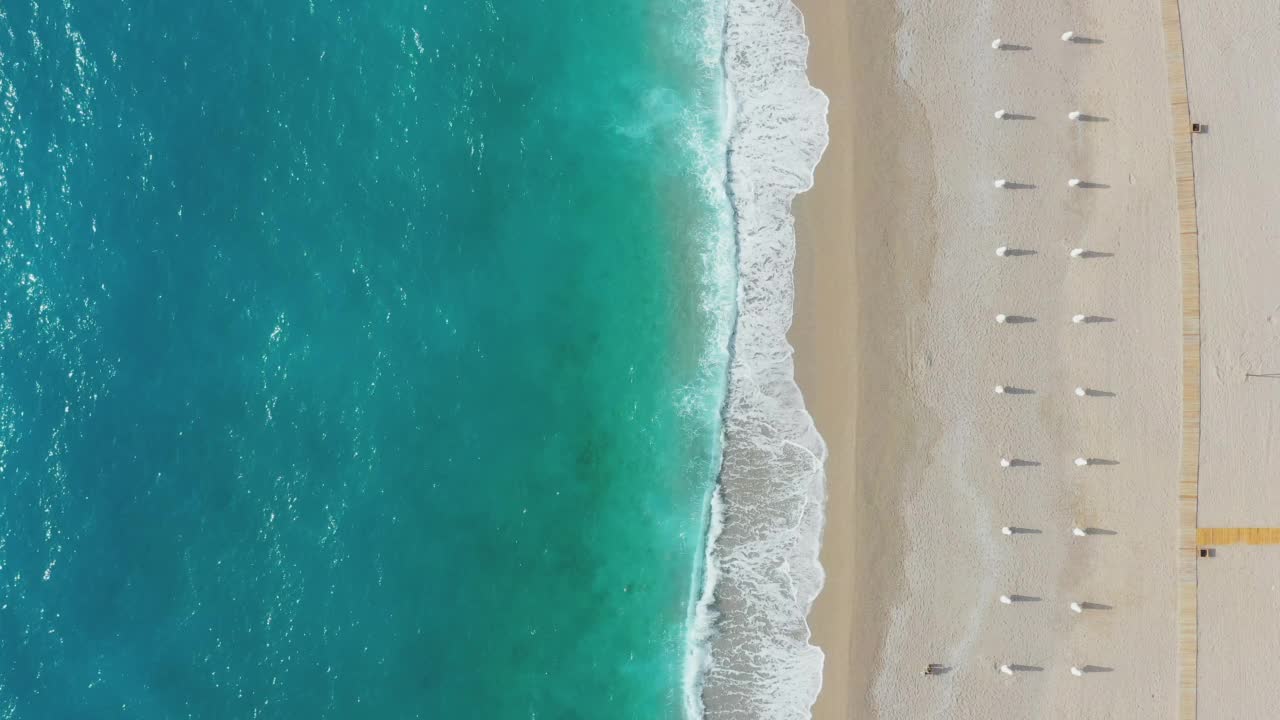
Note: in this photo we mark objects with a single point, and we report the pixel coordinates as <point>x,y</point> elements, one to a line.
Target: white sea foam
<point>762,560</point>
<point>702,624</point>
<point>718,267</point>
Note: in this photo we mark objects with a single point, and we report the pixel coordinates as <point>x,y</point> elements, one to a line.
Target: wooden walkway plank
<point>1188,481</point>
<point>1189,472</point>
<point>1238,536</point>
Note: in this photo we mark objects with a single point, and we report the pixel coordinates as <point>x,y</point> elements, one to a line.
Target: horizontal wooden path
<point>1238,536</point>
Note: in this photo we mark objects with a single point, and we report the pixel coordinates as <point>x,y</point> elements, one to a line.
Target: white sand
<point>1232,54</point>
<point>918,498</point>
<point>1239,638</point>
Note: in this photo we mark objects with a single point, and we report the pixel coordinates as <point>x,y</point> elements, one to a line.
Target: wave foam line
<point>764,558</point>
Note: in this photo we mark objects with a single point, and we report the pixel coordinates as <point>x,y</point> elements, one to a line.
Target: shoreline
<point>771,483</point>
<point>824,335</point>
<point>861,248</point>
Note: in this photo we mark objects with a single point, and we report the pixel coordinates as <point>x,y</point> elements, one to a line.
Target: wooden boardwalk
<point>1238,536</point>
<point>1189,473</point>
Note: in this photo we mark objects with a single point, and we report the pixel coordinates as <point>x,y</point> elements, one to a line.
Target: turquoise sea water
<point>357,359</point>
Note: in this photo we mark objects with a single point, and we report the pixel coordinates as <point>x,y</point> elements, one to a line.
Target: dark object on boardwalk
<point>1208,552</point>
<point>1199,128</point>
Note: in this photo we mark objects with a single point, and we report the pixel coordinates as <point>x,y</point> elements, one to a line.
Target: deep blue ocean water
<point>357,359</point>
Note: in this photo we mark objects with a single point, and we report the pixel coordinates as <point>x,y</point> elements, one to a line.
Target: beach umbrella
<point>1074,182</point>
<point>1077,319</point>
<point>1006,669</point>
<point>997,44</point>
<point>1006,530</point>
<point>1000,114</point>
<point>999,389</point>
<point>1005,599</point>
<point>1080,392</point>
<point>1068,36</point>
<point>1078,532</point>
<point>1081,462</point>
<point>1077,253</point>
<point>1005,462</point>
<point>1074,115</point>
<point>1077,607</point>
<point>1000,183</point>
<point>1002,318</point>
<point>1077,671</point>
<point>1002,250</point>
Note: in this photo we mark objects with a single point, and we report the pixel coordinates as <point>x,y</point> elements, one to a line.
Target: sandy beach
<point>897,351</point>
<point>1232,62</point>
<point>1236,188</point>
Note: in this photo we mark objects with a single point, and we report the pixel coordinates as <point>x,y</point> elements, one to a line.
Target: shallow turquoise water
<point>355,361</point>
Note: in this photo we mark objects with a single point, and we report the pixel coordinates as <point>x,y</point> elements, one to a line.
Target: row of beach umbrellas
<point>1075,606</point>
